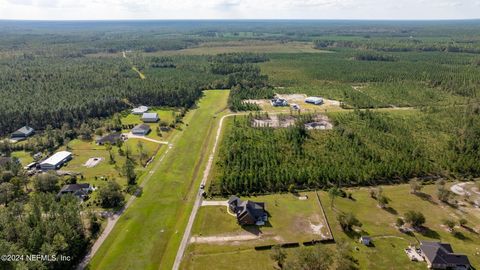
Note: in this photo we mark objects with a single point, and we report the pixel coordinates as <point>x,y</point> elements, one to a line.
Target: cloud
<point>239,9</point>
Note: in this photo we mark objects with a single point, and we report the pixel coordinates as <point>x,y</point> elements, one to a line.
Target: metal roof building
<point>56,160</point>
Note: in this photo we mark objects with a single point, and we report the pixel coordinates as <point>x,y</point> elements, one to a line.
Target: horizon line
<point>246,20</point>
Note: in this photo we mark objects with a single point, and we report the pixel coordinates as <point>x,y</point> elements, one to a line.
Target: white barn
<point>56,161</point>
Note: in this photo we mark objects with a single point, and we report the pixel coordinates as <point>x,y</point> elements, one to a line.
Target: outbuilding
<point>150,117</point>
<point>56,161</point>
<point>366,240</point>
<point>314,100</point>
<point>22,133</point>
<point>140,110</point>
<point>141,130</point>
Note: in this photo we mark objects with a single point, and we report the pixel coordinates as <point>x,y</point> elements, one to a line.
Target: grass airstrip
<point>148,234</point>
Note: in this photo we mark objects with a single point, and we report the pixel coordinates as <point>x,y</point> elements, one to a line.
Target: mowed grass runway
<point>148,234</point>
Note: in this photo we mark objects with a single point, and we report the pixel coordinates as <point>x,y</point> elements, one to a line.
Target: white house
<point>56,161</point>
<point>140,110</point>
<point>314,100</point>
<point>150,117</point>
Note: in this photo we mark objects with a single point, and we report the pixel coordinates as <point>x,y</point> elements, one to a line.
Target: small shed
<point>365,240</point>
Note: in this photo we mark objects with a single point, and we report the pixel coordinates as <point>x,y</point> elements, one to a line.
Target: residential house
<point>111,138</point>
<point>80,191</point>
<point>56,161</point>
<point>441,256</point>
<point>248,212</point>
<point>150,117</point>
<point>141,130</point>
<point>22,133</point>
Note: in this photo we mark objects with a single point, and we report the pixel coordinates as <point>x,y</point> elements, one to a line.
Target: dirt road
<point>198,199</point>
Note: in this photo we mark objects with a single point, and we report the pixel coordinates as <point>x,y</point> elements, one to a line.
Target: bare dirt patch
<point>321,122</point>
<point>92,162</point>
<point>274,121</point>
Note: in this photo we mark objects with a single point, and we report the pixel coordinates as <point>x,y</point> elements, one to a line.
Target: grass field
<point>24,157</point>
<point>148,234</point>
<point>389,242</point>
<point>388,252</point>
<point>165,115</point>
<point>84,150</point>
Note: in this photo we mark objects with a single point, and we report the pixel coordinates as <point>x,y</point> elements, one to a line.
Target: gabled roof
<point>57,158</point>
<point>26,130</point>
<point>150,115</point>
<point>111,138</point>
<point>74,187</point>
<point>442,253</point>
<point>142,127</point>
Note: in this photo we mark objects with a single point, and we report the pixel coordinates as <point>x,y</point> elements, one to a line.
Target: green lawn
<point>24,157</point>
<point>388,252</point>
<point>148,234</point>
<point>84,150</point>
<point>165,114</point>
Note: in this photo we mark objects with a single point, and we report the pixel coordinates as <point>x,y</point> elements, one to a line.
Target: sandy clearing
<point>223,239</point>
<point>214,203</point>
<point>92,162</point>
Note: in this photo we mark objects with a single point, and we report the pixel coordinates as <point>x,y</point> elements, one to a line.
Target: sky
<point>238,9</point>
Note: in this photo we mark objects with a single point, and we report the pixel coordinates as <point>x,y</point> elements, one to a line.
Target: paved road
<point>116,216</point>
<point>198,199</point>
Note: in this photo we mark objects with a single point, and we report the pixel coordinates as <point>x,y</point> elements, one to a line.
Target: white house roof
<point>57,158</point>
<point>150,115</point>
<point>140,109</point>
<point>314,99</point>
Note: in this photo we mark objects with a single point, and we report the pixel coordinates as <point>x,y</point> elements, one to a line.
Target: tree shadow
<point>469,229</point>
<point>461,236</point>
<point>391,210</point>
<point>425,197</point>
<point>427,232</point>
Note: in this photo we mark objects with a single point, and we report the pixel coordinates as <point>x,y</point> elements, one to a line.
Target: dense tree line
<point>400,45</point>
<point>364,148</point>
<point>244,78</point>
<point>52,91</point>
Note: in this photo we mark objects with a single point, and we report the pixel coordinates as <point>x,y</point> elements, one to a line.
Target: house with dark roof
<point>248,212</point>
<point>80,191</point>
<point>441,256</point>
<point>111,138</point>
<point>141,130</point>
<point>22,133</point>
